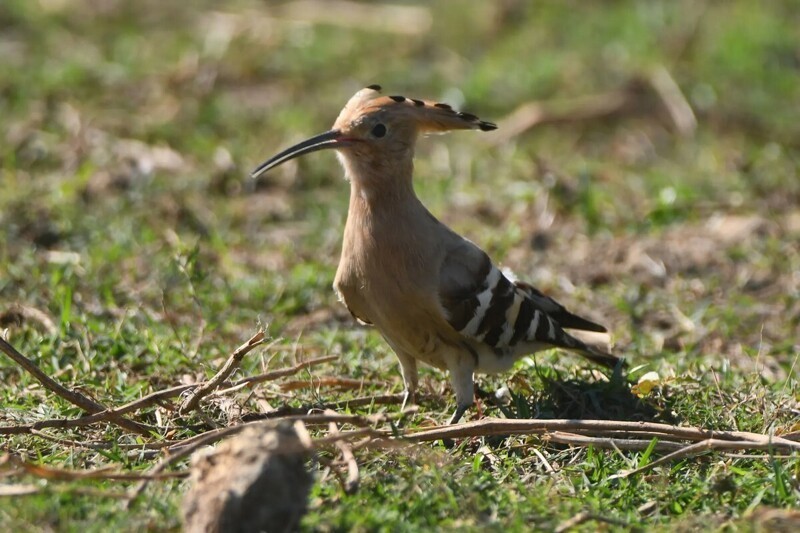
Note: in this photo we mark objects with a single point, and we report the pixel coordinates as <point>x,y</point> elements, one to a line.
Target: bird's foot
<point>409,399</point>
<point>459,413</point>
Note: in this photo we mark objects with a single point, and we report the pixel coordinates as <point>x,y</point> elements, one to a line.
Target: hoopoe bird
<point>435,296</point>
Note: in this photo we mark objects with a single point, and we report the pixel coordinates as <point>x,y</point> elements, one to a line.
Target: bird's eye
<point>379,130</point>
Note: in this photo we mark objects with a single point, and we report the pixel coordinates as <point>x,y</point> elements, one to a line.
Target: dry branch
<point>114,414</point>
<point>496,426</point>
<point>585,516</point>
<point>227,369</point>
<point>328,381</point>
<point>165,394</point>
<point>352,481</point>
<point>27,490</point>
<point>363,401</point>
<point>187,447</point>
<point>794,435</point>
<point>610,443</point>
<point>646,92</point>
<point>141,403</point>
<point>283,372</point>
<point>679,442</point>
<point>73,397</point>
<point>532,114</point>
<point>18,490</point>
<point>388,18</point>
<point>104,445</point>
<point>19,313</point>
<point>66,423</point>
<point>700,447</point>
<point>61,474</point>
<point>674,101</point>
<point>619,435</point>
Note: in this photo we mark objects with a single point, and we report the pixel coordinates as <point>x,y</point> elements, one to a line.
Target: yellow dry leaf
<point>646,384</point>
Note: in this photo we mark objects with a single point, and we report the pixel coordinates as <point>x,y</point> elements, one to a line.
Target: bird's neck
<point>380,186</point>
<point>385,234</point>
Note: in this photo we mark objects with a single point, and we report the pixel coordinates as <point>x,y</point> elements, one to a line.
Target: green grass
<point>128,219</point>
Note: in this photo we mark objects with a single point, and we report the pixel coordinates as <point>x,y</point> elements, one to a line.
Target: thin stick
<point>676,104</point>
<point>308,419</point>
<point>73,397</point>
<point>610,443</point>
<point>627,434</point>
<point>700,447</point>
<point>187,447</point>
<point>64,423</point>
<point>158,396</point>
<point>328,381</point>
<point>532,114</point>
<point>636,95</point>
<point>586,516</point>
<point>288,410</point>
<point>179,454</point>
<point>27,490</point>
<point>283,372</point>
<point>141,403</point>
<point>60,474</point>
<point>26,312</point>
<point>104,445</point>
<point>496,426</point>
<point>155,397</point>
<point>794,435</point>
<point>352,481</point>
<point>227,369</point>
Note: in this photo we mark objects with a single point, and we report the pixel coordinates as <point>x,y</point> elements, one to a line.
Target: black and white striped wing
<point>482,304</point>
<point>557,311</point>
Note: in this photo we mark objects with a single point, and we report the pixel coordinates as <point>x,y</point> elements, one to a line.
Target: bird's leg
<point>461,378</point>
<point>410,378</point>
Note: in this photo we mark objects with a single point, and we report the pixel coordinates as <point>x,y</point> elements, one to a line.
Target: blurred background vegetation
<point>645,173</point>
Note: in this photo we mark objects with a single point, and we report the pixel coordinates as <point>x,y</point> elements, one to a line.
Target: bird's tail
<point>601,358</point>
<point>591,352</point>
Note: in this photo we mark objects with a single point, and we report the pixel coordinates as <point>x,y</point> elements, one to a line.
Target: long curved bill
<point>329,139</point>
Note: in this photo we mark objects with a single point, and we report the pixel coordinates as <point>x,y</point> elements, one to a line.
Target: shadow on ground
<point>557,397</point>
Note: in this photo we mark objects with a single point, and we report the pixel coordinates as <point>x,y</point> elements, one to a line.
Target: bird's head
<point>378,130</point>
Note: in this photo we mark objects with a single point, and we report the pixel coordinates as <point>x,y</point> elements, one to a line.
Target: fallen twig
<point>19,313</point>
<point>352,481</point>
<point>19,490</point>
<point>328,381</point>
<point>389,18</point>
<point>532,114</point>
<point>60,474</point>
<point>585,516</point>
<point>636,95</point>
<point>104,445</point>
<point>71,396</point>
<point>675,103</point>
<point>227,369</point>
<point>187,447</point>
<point>496,426</point>
<point>700,447</point>
<point>794,435</point>
<point>283,372</point>
<point>27,490</point>
<point>610,443</point>
<point>65,423</point>
<point>363,401</point>
<point>113,414</point>
<point>308,419</point>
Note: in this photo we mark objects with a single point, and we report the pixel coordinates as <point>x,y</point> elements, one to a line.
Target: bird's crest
<point>427,115</point>
<point>365,119</point>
